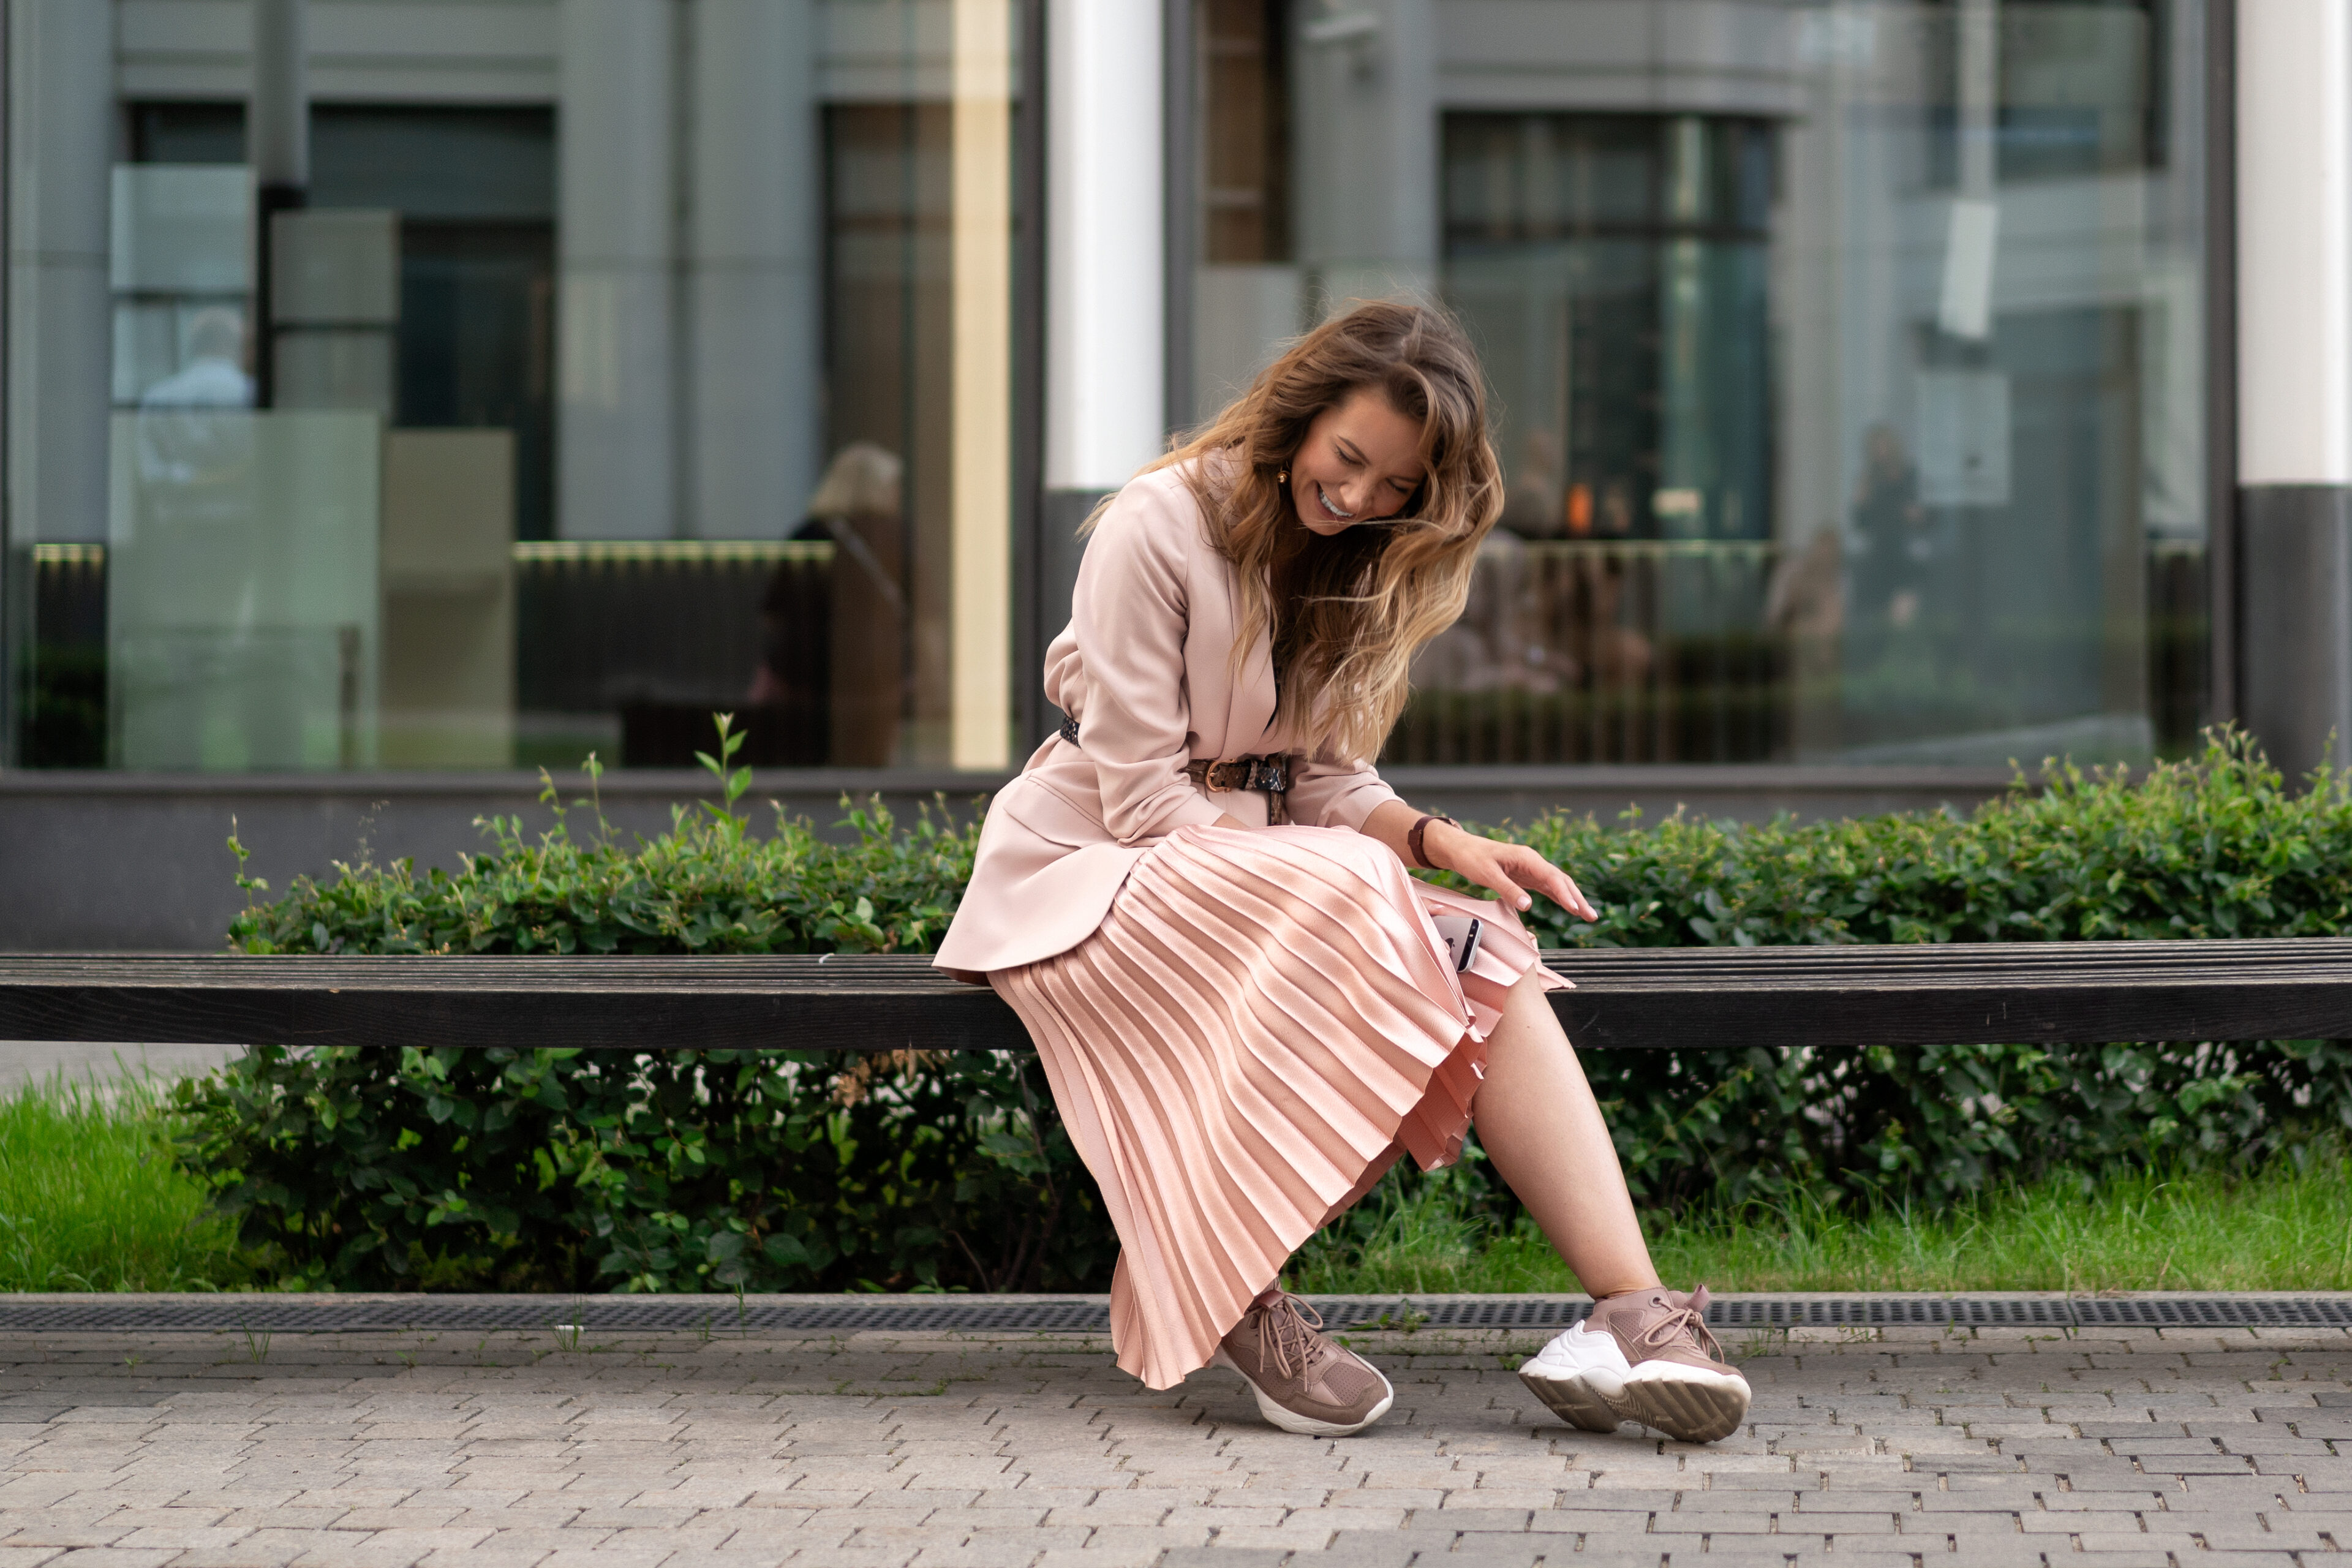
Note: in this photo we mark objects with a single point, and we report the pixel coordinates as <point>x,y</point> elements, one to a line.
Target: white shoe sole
<point>1305,1426</point>
<point>1585,1379</point>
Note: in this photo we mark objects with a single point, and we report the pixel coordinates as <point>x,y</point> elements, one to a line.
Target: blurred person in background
<point>856,507</point>
<point>193,431</point>
<point>1897,549</point>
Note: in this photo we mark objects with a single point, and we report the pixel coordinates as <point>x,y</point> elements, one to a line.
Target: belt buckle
<point>1221,780</point>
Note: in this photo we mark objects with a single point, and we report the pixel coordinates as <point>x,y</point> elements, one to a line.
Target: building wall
<point>664,417</point>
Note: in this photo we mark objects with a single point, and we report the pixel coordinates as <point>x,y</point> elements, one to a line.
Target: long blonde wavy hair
<point>1347,613</point>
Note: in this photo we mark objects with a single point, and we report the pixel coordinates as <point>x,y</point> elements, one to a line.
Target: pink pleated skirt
<point>1263,1016</point>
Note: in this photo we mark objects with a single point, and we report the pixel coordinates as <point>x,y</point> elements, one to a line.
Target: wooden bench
<point>1626,997</point>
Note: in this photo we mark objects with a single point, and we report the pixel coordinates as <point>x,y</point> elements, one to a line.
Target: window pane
<point>1847,359</point>
<point>579,395</point>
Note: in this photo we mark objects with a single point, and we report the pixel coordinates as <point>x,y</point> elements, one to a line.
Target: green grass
<point>91,1199</point>
<point>2279,1229</point>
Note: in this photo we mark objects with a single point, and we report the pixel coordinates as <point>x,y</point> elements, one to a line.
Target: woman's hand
<point>1506,869</point>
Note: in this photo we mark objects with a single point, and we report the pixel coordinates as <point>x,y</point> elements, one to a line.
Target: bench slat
<point>1626,998</point>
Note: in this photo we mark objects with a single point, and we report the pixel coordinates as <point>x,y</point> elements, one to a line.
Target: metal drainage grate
<point>943,1314</point>
<point>1810,1312</point>
<point>1455,1312</point>
<point>601,1314</point>
<point>2219,1312</point>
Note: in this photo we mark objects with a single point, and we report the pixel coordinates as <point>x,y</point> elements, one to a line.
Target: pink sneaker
<point>1305,1382</point>
<point>1646,1356</point>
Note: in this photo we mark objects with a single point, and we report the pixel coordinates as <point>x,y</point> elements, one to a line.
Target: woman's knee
<point>1527,1010</point>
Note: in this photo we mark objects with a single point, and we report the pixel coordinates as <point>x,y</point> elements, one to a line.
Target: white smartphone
<point>1461,933</point>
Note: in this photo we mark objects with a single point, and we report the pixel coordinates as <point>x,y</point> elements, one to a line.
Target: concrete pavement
<point>25,1061</point>
<point>1897,1448</point>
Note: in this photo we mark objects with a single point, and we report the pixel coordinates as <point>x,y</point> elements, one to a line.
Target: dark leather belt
<point>1269,772</point>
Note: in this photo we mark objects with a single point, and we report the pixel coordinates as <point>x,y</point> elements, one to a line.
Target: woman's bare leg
<point>1538,1122</point>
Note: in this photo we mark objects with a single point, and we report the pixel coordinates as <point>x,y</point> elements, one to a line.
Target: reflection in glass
<point>859,510</point>
<point>1247,288</point>
<point>1613,269</point>
<point>1858,421</point>
<point>684,388</point>
<point>241,607</point>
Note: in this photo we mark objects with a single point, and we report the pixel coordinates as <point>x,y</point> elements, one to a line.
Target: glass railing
<point>1739,651</point>
<point>1569,652</point>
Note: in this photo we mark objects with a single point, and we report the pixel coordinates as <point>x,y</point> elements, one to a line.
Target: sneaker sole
<point>1290,1420</point>
<point>1688,1409</point>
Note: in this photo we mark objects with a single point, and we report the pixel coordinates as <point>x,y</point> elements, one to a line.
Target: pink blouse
<point>1145,666</point>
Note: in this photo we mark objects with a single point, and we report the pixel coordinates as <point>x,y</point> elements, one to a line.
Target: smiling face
<point>1361,462</point>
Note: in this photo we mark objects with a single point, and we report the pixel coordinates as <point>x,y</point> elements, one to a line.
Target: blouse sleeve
<point>1129,615</point>
<point>1325,792</point>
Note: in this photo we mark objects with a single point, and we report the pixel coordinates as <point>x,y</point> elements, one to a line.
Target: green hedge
<point>673,1170</point>
<point>2213,847</point>
<point>698,1170</point>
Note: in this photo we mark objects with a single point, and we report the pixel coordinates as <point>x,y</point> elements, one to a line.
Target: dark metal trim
<point>1707,778</point>
<point>624,784</point>
<point>1179,225</point>
<point>2224,614</point>
<point>2294,560</point>
<point>13,581</point>
<point>575,1315</point>
<point>1030,195</point>
<point>269,201</point>
<point>1696,779</point>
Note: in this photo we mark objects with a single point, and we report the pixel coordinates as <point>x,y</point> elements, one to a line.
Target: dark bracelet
<point>1413,838</point>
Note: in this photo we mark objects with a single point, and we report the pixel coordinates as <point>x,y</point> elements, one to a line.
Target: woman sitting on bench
<point>1195,896</point>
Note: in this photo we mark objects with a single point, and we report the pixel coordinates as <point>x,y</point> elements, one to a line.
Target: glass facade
<point>626,360</point>
<point>615,361</point>
<point>1848,359</point>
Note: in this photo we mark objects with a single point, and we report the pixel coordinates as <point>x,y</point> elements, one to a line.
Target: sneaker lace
<point>1287,1336</point>
<point>1688,1319</point>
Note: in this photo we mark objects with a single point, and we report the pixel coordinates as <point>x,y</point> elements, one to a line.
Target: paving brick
<point>71,1531</point>
<point>580,1558</point>
<point>1840,1524</point>
<point>1739,1500</point>
<point>1009,1553</point>
<point>1610,1556</point>
<point>1367,1549</point>
<point>182,1538</point>
<point>1130,1554</point>
<point>1590,1522</point>
<point>2124,1480</point>
<point>2292,1537</point>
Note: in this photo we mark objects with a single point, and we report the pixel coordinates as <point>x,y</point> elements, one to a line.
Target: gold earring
<point>1282,477</point>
